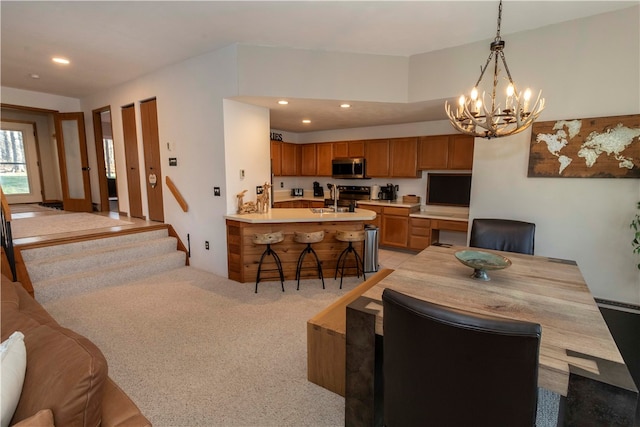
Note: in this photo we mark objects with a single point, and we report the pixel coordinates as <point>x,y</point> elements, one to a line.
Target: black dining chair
<point>447,367</point>
<point>503,235</point>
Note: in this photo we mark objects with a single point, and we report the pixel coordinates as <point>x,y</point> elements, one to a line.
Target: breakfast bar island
<point>243,255</point>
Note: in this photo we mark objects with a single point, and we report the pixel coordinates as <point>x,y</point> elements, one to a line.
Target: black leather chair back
<point>445,367</point>
<point>503,235</point>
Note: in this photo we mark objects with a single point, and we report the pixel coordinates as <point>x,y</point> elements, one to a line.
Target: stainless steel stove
<point>348,194</point>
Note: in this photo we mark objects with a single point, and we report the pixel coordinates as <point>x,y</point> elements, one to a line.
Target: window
<point>13,164</point>
<point>109,158</point>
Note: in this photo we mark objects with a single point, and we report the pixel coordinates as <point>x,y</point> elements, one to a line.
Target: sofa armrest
<point>118,410</point>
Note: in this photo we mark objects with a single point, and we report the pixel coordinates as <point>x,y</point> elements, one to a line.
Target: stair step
<point>99,256</point>
<point>85,245</point>
<point>85,281</point>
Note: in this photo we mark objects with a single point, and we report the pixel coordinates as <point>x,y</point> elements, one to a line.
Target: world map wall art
<point>603,147</point>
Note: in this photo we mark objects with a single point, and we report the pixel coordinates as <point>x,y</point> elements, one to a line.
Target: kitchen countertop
<point>449,216</point>
<point>302,215</point>
<point>395,203</point>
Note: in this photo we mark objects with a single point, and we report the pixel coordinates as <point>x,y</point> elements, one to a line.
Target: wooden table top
<point>537,289</point>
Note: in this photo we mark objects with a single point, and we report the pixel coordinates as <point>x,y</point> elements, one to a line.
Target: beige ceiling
<point>112,42</point>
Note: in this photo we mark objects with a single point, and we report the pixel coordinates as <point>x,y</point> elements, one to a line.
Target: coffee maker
<point>317,190</point>
<point>388,192</point>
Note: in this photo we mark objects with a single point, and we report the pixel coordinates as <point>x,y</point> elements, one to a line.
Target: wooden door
<point>404,156</point>
<point>377,155</point>
<point>74,163</point>
<point>433,152</point>
<point>276,158</point>
<point>324,153</point>
<point>461,151</point>
<point>153,171</point>
<point>308,161</point>
<point>131,159</point>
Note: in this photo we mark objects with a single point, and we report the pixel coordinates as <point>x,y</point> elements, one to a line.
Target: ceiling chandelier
<point>473,116</point>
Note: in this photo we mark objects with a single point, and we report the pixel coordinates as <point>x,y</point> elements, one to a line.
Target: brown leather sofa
<point>66,379</point>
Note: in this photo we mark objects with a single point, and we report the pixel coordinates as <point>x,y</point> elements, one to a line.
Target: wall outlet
<point>281,184</point>
<point>259,189</point>
<point>206,244</point>
<point>216,191</point>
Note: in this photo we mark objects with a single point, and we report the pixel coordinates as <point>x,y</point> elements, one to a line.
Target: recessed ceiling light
<point>59,60</point>
<point>34,76</point>
<point>306,121</point>
<point>283,102</point>
<point>345,105</point>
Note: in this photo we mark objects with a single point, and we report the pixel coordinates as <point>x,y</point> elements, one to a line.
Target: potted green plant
<point>635,225</point>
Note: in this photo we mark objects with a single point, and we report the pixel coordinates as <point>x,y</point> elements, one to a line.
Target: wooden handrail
<point>5,206</point>
<point>176,193</point>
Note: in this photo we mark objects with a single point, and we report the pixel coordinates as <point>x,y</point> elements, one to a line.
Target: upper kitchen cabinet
<point>443,152</point>
<point>461,151</point>
<point>291,159</point>
<point>308,165</point>
<point>377,155</point>
<point>276,157</point>
<point>404,153</point>
<point>348,149</point>
<point>324,155</point>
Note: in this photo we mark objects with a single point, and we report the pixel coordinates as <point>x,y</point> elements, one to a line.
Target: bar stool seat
<point>269,239</point>
<point>349,236</point>
<point>308,238</point>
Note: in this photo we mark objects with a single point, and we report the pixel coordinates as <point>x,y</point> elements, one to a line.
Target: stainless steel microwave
<point>348,168</point>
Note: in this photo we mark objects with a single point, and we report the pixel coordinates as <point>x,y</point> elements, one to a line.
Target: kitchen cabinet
<point>461,152</point>
<point>395,227</point>
<point>300,204</point>
<point>340,149</point>
<point>291,157</point>
<point>377,155</point>
<point>419,233</point>
<point>308,162</point>
<point>276,157</point>
<point>404,153</point>
<point>324,155</point>
<point>443,152</point>
<point>377,220</point>
<point>356,149</point>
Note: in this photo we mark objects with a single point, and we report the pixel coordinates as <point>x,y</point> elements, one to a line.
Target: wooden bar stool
<point>269,239</point>
<point>349,236</point>
<point>308,238</point>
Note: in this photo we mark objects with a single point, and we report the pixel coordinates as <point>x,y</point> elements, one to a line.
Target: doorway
<point>106,160</point>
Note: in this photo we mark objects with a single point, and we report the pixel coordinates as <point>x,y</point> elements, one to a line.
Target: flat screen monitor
<point>449,189</point>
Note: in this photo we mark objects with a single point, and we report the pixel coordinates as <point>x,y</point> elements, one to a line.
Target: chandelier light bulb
<point>474,94</point>
<point>510,90</point>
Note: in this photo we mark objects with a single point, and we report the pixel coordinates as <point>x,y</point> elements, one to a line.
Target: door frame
<point>69,204</point>
<point>102,171</point>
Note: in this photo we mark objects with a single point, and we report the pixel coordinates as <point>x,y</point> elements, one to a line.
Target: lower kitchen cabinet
<point>395,231</point>
<point>420,233</point>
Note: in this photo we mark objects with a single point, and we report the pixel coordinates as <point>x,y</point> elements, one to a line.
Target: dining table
<point>578,357</point>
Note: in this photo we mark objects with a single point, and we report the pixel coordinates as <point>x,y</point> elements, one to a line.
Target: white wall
<point>247,148</point>
<point>26,98</point>
<point>586,68</point>
<point>191,120</point>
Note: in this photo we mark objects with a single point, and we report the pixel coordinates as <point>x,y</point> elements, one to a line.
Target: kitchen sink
<point>329,209</point>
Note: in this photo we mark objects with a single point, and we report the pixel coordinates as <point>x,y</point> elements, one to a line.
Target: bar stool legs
<point>269,239</point>
<point>276,258</point>
<point>309,238</point>
<point>349,236</point>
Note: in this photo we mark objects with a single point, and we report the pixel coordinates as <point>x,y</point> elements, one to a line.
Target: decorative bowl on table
<point>481,262</point>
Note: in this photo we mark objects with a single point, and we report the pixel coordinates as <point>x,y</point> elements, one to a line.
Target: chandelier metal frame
<point>470,118</point>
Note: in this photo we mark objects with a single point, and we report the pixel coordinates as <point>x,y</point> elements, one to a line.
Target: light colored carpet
<point>63,223</point>
<point>195,349</point>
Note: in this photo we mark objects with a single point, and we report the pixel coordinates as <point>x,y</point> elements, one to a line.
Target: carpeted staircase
<point>77,267</point>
